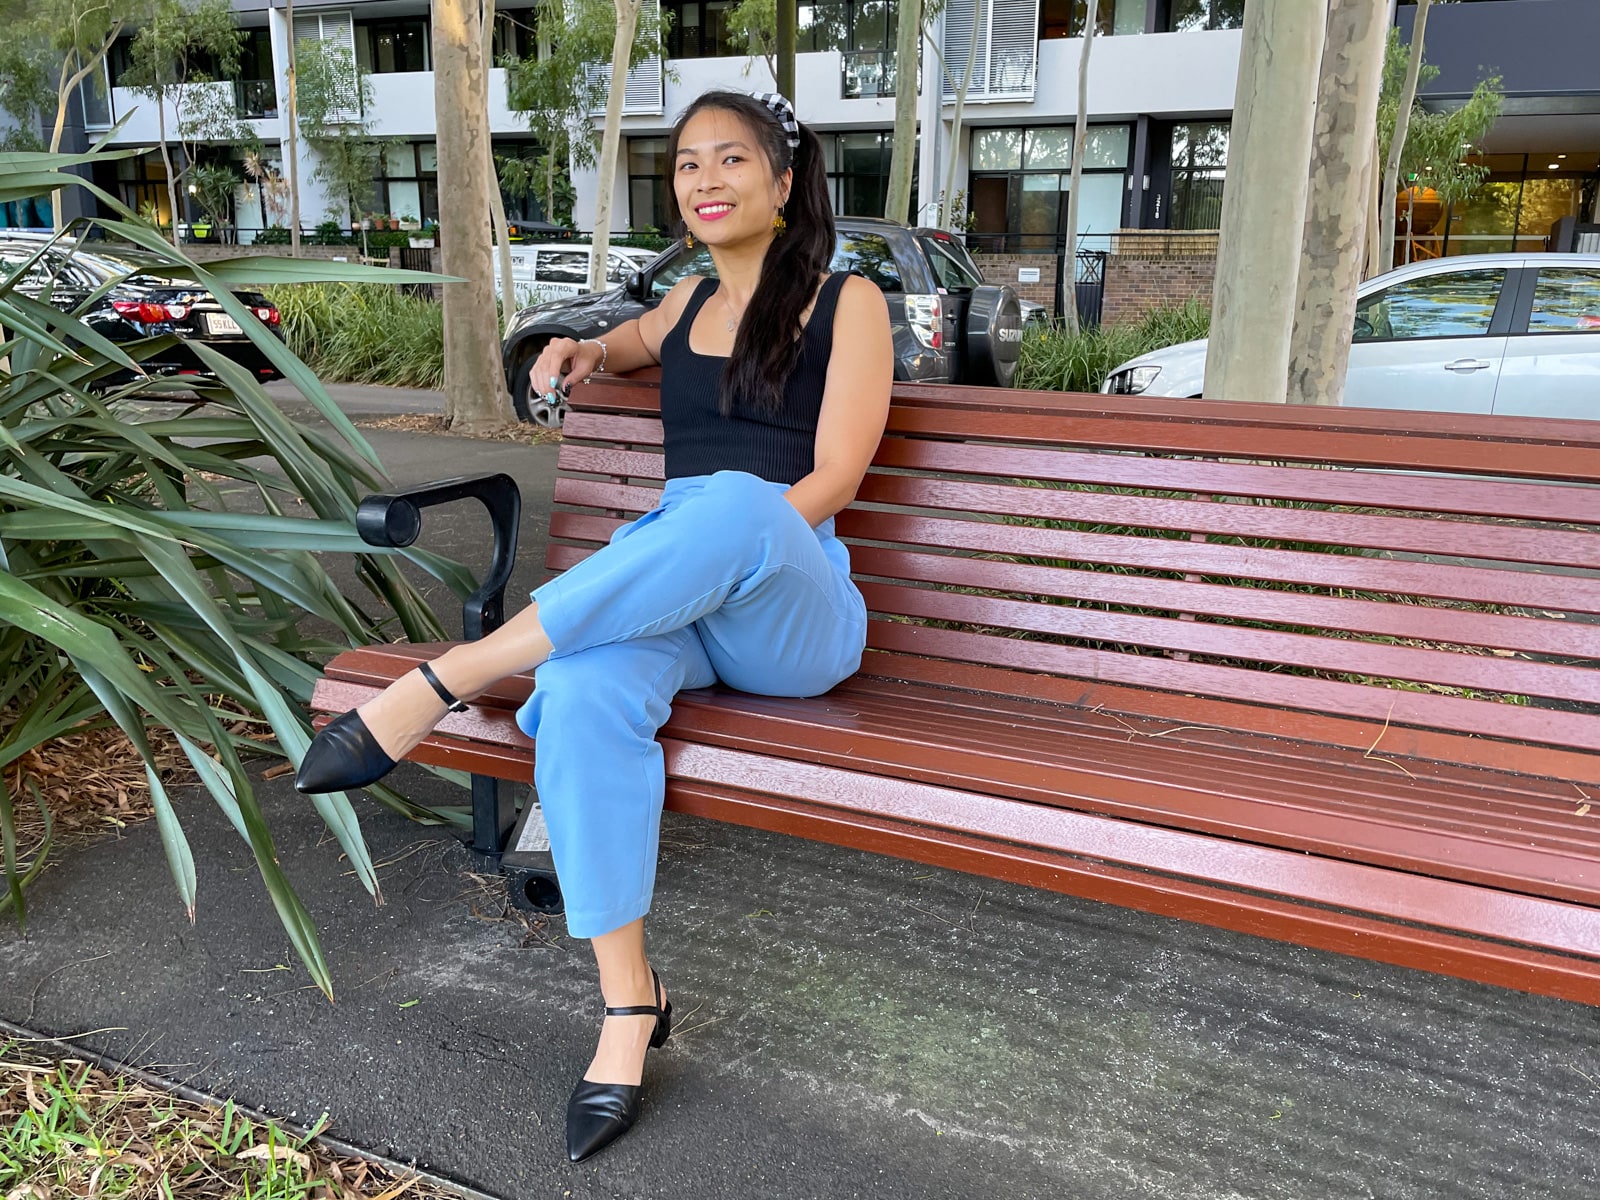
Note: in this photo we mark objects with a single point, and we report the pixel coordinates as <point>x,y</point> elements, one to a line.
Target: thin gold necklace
<point>733,317</point>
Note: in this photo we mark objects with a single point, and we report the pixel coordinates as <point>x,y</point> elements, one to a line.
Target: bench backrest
<point>1346,576</point>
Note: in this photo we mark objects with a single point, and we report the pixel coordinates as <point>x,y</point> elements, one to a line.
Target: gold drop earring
<point>778,223</point>
<point>689,240</point>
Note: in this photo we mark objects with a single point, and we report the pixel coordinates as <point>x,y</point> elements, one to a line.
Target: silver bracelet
<point>604,354</point>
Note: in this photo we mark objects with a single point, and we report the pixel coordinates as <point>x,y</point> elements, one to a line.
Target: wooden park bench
<point>1327,676</point>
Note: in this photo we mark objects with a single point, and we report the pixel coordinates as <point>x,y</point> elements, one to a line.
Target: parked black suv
<point>949,327</point>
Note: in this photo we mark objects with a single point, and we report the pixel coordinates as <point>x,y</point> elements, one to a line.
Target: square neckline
<point>697,301</point>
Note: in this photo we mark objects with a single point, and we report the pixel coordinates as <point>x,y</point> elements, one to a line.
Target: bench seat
<point>1170,698</point>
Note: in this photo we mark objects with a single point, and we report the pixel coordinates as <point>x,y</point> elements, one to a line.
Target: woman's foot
<point>360,747</point>
<point>619,1058</point>
<point>605,1104</point>
<point>403,714</point>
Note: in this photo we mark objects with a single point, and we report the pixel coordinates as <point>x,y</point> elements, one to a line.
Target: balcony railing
<point>866,74</point>
<point>255,98</point>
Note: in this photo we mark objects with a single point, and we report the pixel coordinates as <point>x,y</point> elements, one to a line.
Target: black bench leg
<point>493,815</point>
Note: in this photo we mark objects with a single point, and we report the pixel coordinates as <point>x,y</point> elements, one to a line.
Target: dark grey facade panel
<point>1539,48</point>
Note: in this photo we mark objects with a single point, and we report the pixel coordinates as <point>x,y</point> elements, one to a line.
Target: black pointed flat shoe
<point>599,1113</point>
<point>345,755</point>
<point>342,756</point>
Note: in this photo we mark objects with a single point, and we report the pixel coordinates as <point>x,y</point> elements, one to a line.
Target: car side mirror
<point>1363,328</point>
<point>635,285</point>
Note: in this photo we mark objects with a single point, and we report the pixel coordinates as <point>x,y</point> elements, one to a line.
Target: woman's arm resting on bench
<point>855,402</point>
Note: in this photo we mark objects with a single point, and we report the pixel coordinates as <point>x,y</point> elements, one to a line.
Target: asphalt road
<point>849,1025</point>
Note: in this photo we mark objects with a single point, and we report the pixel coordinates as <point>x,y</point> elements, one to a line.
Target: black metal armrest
<point>394,519</point>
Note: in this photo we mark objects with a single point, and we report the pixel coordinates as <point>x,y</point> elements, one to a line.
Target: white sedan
<point>1483,333</point>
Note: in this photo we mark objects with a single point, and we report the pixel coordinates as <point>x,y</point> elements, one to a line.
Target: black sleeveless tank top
<point>781,446</point>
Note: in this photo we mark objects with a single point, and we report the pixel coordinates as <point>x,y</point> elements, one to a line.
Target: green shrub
<point>1056,361</point>
<point>363,333</point>
<point>155,569</point>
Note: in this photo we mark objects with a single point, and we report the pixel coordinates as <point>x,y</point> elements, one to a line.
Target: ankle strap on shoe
<point>641,1010</point>
<point>444,692</point>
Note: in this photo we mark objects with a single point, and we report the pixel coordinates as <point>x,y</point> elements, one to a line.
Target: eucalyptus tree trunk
<point>65,85</point>
<point>787,36</point>
<point>475,397</point>
<point>292,139</point>
<point>1397,144</point>
<point>497,202</point>
<point>611,139</point>
<point>1343,155</point>
<point>1264,201</point>
<point>1374,221</point>
<point>897,206</point>
<point>948,199</point>
<point>166,162</point>
<point>544,14</point>
<point>1080,131</point>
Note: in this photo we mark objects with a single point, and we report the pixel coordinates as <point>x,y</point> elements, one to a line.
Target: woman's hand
<point>562,361</point>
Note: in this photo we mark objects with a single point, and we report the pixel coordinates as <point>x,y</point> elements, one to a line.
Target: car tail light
<point>146,313</point>
<point>266,314</point>
<point>925,315</point>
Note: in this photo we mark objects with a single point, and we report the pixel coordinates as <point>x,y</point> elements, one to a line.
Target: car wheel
<point>531,406</point>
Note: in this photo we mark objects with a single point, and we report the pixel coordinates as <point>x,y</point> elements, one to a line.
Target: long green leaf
<point>335,808</point>
<point>179,857</point>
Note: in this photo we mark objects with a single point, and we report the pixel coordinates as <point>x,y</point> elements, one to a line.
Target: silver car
<point>1481,333</point>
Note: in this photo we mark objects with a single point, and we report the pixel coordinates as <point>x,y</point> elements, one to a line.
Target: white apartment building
<point>1162,76</point>
<point>1161,87</point>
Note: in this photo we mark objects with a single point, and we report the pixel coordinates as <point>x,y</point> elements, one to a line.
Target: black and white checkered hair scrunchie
<point>783,113</point>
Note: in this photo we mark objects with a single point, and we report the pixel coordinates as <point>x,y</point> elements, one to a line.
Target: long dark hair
<point>768,344</point>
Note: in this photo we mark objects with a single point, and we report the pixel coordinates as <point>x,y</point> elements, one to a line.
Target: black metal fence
<point>1089,278</point>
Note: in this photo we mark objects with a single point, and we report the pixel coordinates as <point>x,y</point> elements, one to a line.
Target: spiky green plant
<point>134,591</point>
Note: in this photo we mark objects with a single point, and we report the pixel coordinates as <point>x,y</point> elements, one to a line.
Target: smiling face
<point>723,180</point>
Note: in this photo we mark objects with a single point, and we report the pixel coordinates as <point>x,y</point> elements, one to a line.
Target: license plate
<point>219,324</point>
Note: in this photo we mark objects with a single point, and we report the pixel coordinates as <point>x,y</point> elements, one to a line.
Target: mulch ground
<point>432,423</point>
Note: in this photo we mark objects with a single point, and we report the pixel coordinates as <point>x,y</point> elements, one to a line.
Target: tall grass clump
<point>363,333</point>
<point>1057,361</point>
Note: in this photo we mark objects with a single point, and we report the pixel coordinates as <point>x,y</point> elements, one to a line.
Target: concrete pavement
<point>848,1025</point>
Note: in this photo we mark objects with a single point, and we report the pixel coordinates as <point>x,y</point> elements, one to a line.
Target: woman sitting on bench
<point>774,393</point>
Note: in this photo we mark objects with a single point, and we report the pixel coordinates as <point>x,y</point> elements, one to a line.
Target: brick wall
<point>1135,284</point>
<point>1002,268</point>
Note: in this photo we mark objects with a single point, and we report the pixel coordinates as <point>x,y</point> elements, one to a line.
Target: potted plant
<point>409,222</point>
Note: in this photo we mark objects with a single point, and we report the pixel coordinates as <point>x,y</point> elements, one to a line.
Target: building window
<point>1199,163</point>
<point>699,29</point>
<point>408,180</point>
<point>401,44</point>
<point>119,60</point>
<point>847,25</point>
<point>1187,15</point>
<point>858,172</point>
<point>1513,211</point>
<point>648,196</point>
<point>515,35</point>
<point>1065,18</point>
<point>1020,179</point>
<point>142,185</point>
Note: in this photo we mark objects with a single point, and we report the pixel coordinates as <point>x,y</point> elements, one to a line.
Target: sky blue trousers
<point>724,580</point>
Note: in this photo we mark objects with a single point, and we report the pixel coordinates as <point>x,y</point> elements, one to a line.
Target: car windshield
<point>867,254</point>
